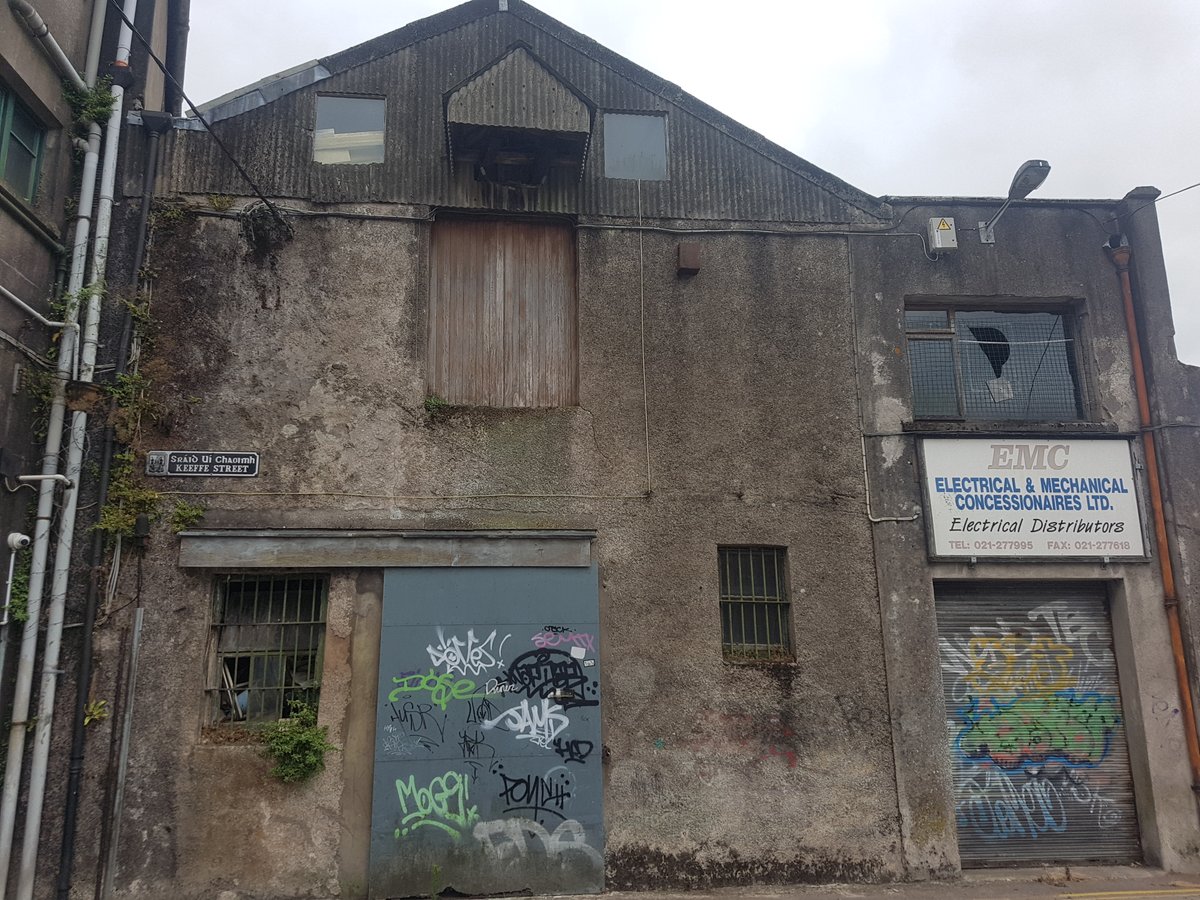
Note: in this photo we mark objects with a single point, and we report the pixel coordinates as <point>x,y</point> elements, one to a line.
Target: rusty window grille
<point>977,364</point>
<point>269,635</point>
<point>755,612</point>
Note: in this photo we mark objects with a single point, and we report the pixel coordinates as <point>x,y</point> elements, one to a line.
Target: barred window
<point>755,613</point>
<point>979,364</point>
<point>269,635</point>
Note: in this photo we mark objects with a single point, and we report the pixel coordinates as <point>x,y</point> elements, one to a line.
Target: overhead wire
<point>199,116</point>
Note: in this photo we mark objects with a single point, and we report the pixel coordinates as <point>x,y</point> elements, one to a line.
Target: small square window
<point>269,635</point>
<point>349,130</point>
<point>635,146</point>
<point>755,612</point>
<point>21,142</point>
<point>990,365</point>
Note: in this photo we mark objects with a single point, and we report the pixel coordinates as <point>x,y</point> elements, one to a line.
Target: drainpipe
<point>75,448</point>
<point>1120,254</point>
<point>45,505</point>
<point>155,124</point>
<point>177,40</point>
<point>40,32</point>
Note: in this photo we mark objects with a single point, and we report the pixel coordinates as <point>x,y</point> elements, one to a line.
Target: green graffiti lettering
<point>443,687</point>
<point>442,804</point>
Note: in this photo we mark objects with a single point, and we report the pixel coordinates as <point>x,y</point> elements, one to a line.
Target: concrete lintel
<point>289,549</point>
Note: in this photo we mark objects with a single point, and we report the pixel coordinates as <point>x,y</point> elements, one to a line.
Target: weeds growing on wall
<point>127,498</point>
<point>89,105</point>
<point>18,609</point>
<point>133,404</point>
<point>296,745</point>
<point>95,711</point>
<point>185,515</point>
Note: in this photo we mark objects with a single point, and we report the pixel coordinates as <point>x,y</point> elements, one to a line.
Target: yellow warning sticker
<point>943,225</point>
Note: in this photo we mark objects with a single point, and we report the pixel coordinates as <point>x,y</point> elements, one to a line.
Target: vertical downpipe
<point>1120,256</point>
<point>68,350</point>
<point>114,841</point>
<point>78,435</point>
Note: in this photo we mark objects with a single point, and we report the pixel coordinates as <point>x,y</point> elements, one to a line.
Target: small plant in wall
<point>185,515</point>
<point>95,711</point>
<point>296,745</point>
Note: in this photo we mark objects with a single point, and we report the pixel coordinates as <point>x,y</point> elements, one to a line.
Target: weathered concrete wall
<point>716,772</point>
<point>1041,253</point>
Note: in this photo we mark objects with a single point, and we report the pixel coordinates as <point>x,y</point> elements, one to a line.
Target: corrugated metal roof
<point>517,92</point>
<point>719,170</point>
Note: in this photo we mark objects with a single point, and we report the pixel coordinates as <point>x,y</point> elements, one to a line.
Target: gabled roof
<point>273,87</point>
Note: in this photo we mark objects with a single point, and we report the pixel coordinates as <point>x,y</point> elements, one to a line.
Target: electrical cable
<point>199,116</point>
<point>1157,199</point>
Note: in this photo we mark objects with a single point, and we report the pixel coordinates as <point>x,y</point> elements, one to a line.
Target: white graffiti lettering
<point>470,657</point>
<point>539,724</point>
<point>505,839</point>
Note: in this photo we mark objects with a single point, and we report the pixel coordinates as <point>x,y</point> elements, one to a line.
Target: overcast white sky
<point>895,96</point>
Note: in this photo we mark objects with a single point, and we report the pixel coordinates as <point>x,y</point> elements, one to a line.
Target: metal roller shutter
<point>1033,716</point>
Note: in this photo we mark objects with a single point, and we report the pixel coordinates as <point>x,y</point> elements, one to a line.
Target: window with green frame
<point>21,142</point>
<point>22,139</point>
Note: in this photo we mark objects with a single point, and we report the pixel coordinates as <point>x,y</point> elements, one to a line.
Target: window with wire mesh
<point>269,635</point>
<point>755,612</point>
<point>979,364</point>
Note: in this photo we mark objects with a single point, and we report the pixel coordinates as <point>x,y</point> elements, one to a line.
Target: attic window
<point>635,146</point>
<point>348,130</point>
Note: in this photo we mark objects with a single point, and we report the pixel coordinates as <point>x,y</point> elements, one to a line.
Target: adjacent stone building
<point>636,504</point>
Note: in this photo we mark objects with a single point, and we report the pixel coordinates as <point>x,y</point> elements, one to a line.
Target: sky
<point>897,97</point>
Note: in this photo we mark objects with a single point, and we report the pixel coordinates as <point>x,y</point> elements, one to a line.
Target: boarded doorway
<point>487,746</point>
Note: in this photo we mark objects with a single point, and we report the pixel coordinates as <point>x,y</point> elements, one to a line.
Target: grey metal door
<point>487,744</point>
<point>1037,736</point>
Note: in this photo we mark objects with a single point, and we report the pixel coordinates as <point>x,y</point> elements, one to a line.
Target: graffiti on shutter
<point>1034,721</point>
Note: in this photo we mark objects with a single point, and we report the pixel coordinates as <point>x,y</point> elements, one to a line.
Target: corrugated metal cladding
<point>518,93</point>
<point>1033,715</point>
<point>712,175</point>
<point>502,313</point>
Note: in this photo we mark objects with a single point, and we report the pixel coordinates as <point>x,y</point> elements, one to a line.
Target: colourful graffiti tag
<point>1067,727</point>
<point>1008,664</point>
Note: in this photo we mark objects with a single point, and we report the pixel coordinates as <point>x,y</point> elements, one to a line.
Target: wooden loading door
<point>1034,720</point>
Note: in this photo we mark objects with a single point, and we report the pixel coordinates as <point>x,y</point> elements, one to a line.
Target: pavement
<point>1073,883</point>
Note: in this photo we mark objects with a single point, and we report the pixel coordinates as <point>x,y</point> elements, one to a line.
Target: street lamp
<point>1028,178</point>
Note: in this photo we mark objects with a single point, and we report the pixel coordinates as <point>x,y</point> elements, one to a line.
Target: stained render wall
<point>714,772</point>
<point>1043,252</point>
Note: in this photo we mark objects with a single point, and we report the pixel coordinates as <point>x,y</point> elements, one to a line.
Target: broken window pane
<point>269,638</point>
<point>1014,366</point>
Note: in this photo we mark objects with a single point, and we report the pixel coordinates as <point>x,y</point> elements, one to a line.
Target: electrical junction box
<point>942,234</point>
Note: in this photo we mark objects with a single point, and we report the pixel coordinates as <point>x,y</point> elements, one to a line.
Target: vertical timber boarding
<point>1037,736</point>
<point>502,313</point>
<point>487,743</point>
